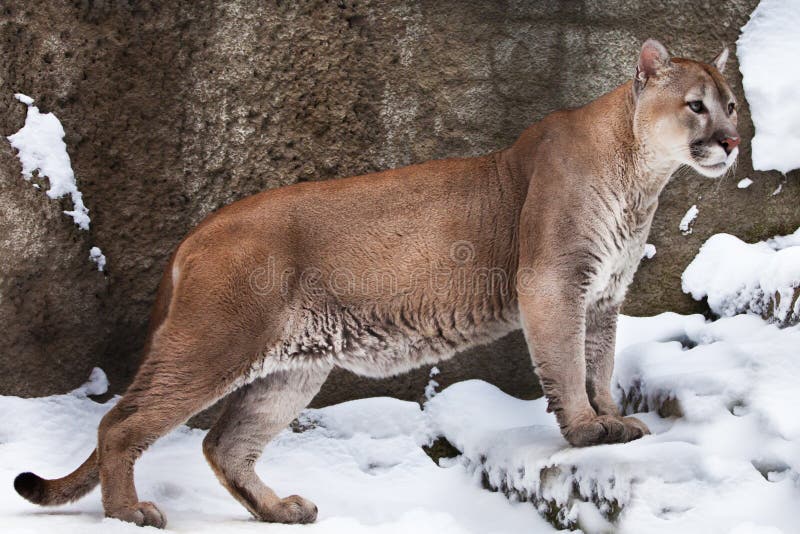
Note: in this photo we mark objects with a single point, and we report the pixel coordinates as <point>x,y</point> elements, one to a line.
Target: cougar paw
<point>605,429</point>
<point>294,509</point>
<point>636,428</point>
<point>143,514</point>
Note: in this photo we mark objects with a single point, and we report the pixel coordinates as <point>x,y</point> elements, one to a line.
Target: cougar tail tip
<point>60,490</point>
<point>30,486</point>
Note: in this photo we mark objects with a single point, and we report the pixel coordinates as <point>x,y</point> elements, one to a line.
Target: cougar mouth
<point>715,170</point>
<point>717,167</point>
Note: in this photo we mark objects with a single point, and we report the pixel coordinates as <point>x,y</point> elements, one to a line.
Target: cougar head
<point>685,110</point>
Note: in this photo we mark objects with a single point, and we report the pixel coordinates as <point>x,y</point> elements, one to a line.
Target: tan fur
<point>385,272</point>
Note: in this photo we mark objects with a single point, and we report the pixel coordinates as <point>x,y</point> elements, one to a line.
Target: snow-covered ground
<point>720,398</point>
<point>360,462</point>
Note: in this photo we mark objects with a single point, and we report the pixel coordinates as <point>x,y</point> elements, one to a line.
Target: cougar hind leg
<point>253,415</point>
<point>185,372</point>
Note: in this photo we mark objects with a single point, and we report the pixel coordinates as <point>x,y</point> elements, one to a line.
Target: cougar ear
<point>652,58</point>
<point>721,59</point>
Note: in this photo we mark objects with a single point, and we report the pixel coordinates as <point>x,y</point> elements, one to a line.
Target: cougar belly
<point>388,349</point>
<point>370,345</point>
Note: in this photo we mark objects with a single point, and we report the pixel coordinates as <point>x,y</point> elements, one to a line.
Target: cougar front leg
<point>554,321</point>
<point>601,333</point>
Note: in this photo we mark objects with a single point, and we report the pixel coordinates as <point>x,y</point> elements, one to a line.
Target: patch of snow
<point>430,388</point>
<point>744,183</point>
<point>25,99</point>
<point>649,251</point>
<point>761,278</point>
<point>96,255</point>
<point>378,417</point>
<point>724,455</point>
<point>685,225</point>
<point>41,149</point>
<point>768,49</point>
<point>662,328</point>
<point>96,385</point>
<point>778,190</point>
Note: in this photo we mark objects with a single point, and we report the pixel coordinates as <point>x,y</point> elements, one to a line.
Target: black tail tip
<point>30,486</point>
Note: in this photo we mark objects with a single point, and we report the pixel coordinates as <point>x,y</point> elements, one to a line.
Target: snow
<point>649,251</point>
<point>768,49</point>
<point>761,278</point>
<point>430,388</point>
<point>97,384</point>
<point>744,183</point>
<point>723,455</point>
<point>685,225</point>
<point>360,462</point>
<point>41,150</point>
<point>96,255</point>
<point>25,99</point>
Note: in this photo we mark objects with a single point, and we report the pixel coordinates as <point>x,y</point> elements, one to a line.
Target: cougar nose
<point>729,143</point>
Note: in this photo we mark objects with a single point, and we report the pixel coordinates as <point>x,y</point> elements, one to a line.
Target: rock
<point>173,110</point>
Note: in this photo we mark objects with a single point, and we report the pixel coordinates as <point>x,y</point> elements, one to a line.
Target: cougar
<point>382,273</point>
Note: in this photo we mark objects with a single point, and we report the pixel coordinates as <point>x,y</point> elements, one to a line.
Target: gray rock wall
<point>173,109</point>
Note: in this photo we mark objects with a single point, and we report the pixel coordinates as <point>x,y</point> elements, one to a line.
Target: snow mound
<point>761,278</point>
<point>768,49</point>
<point>724,455</point>
<point>41,149</point>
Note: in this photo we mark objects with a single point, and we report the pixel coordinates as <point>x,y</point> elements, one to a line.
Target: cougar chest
<point>619,256</point>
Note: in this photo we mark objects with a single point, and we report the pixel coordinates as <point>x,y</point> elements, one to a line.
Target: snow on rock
<point>724,454</point>
<point>430,387</point>
<point>649,251</point>
<point>96,385</point>
<point>41,149</point>
<point>361,463</point>
<point>685,225</point>
<point>96,255</point>
<point>768,49</point>
<point>25,99</point>
<point>744,183</point>
<point>761,278</point>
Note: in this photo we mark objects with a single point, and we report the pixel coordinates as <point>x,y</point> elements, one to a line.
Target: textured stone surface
<point>173,109</point>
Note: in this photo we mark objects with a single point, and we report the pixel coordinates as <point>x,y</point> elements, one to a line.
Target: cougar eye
<point>696,106</point>
<point>731,107</point>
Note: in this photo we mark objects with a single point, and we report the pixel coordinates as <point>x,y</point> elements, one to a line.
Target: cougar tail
<point>60,490</point>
